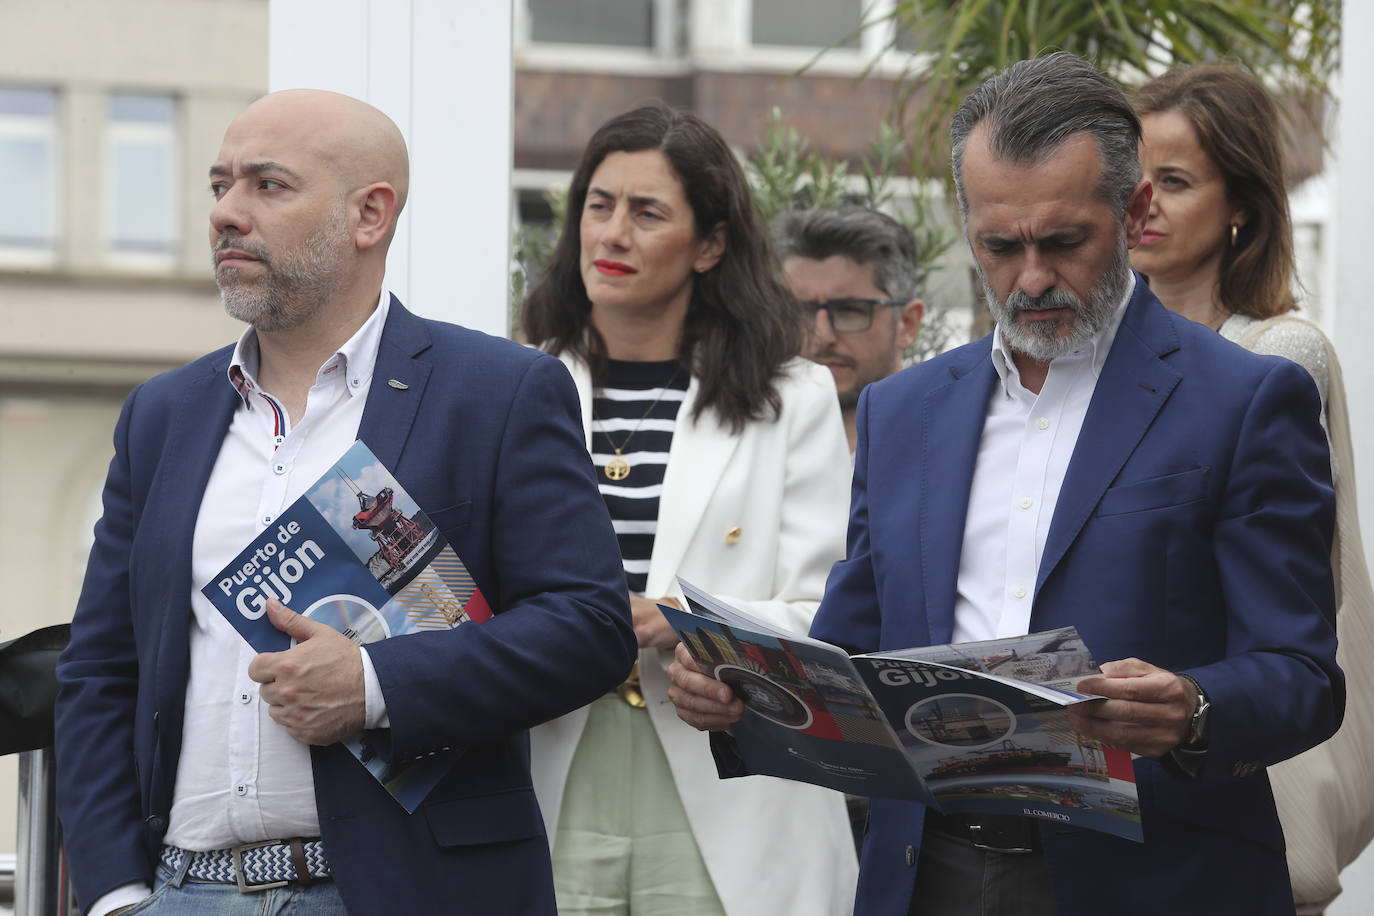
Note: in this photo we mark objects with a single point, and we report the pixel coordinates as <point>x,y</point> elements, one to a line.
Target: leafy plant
<point>531,249</point>
<point>785,174</point>
<point>960,43</point>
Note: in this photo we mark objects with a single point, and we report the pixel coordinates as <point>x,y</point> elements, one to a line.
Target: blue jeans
<point>175,895</point>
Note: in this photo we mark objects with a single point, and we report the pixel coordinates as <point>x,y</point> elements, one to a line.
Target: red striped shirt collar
<point>354,361</point>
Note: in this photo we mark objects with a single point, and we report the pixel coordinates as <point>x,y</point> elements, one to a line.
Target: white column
<point>1352,317</point>
<point>443,72</point>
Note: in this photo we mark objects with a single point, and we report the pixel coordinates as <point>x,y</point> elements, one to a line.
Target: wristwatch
<point>1197,725</point>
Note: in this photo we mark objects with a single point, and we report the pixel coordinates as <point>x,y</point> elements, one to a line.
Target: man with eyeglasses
<point>855,271</point>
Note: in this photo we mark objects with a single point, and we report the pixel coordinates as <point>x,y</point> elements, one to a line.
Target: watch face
<point>1198,730</point>
<point>1197,725</point>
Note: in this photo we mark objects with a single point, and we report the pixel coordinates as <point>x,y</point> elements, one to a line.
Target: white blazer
<point>770,845</point>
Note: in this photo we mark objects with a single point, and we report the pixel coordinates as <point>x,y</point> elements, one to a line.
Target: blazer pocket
<point>452,518</point>
<point>1154,493</point>
<point>498,818</point>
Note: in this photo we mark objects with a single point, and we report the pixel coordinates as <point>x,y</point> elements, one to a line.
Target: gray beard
<point>293,289</point>
<point>1040,340</point>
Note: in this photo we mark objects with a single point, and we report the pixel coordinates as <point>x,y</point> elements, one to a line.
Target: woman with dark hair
<point>1218,248</point>
<point>722,459</point>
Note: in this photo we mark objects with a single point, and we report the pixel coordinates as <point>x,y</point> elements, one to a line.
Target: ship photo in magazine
<point>356,553</point>
<point>975,727</point>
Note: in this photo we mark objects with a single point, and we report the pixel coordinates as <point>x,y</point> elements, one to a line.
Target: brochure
<point>969,728</point>
<point>354,552</point>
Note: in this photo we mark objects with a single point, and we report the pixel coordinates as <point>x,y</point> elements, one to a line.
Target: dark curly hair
<point>742,325</point>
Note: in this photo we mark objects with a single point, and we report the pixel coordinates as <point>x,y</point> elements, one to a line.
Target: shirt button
<point>1025,502</point>
<point>355,382</point>
<point>267,519</point>
<point>733,535</point>
<point>245,697</point>
<point>1019,591</point>
<point>278,439</point>
<point>240,790</point>
<point>1042,423</point>
<point>278,469</point>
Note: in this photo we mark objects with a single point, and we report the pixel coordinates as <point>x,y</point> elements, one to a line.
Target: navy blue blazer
<point>487,437</point>
<point>1193,531</point>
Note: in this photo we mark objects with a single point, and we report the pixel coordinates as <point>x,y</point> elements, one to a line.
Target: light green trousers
<point>624,847</point>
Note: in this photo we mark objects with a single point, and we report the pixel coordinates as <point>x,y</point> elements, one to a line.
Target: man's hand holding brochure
<point>975,727</point>
<point>355,555</point>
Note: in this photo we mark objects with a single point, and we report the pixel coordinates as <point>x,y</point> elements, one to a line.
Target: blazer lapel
<point>1134,384</point>
<point>195,432</point>
<point>398,384</point>
<point>952,419</point>
<point>582,378</point>
<point>696,461</point>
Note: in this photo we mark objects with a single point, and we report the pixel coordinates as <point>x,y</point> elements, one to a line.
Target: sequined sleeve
<point>1302,343</point>
<point>1297,341</point>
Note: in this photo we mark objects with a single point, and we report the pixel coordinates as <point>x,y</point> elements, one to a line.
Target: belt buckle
<point>244,887</point>
<point>976,837</point>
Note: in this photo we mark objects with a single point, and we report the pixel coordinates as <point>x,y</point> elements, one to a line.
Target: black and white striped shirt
<point>636,411</point>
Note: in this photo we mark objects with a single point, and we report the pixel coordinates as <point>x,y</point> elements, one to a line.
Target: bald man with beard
<point>196,776</point>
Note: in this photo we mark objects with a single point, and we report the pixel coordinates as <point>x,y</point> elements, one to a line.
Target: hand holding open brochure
<point>355,552</point>
<point>975,727</point>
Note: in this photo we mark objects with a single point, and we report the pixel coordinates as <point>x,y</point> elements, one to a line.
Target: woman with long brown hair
<point>722,459</point>
<point>1218,248</point>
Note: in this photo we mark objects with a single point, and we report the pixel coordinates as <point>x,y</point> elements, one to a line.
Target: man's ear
<point>712,249</point>
<point>1138,211</point>
<point>909,319</point>
<point>375,208</point>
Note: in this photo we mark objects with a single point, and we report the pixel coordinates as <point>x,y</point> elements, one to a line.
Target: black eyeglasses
<point>848,316</point>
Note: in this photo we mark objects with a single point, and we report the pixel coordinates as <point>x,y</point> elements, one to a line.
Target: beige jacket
<point>1325,796</point>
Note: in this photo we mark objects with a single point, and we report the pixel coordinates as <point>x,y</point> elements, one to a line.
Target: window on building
<point>806,23</point>
<point>620,23</point>
<point>141,175</point>
<point>28,160</point>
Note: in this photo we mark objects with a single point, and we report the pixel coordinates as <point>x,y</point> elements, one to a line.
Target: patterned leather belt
<point>1004,833</point>
<point>254,866</point>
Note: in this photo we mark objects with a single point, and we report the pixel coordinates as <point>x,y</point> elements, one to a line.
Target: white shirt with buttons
<point>1023,456</point>
<point>241,778</point>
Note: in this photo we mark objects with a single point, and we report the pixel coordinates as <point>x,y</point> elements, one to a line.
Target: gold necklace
<point>618,468</point>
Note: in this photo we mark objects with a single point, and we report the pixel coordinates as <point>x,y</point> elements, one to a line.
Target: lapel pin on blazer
<point>397,384</point>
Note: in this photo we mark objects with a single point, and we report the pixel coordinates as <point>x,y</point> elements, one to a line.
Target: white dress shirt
<point>1024,453</point>
<point>240,777</point>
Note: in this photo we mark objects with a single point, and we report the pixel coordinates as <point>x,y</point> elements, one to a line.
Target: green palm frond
<point>960,43</point>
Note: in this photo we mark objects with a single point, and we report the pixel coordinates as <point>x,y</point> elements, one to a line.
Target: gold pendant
<point>630,691</point>
<point>617,468</point>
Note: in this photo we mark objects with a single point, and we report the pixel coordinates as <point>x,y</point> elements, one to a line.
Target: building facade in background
<point>111,111</point>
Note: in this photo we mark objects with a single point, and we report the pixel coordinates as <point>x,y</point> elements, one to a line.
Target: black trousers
<point>955,878</point>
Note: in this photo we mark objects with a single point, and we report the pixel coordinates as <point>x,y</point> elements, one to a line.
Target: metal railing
<point>40,874</point>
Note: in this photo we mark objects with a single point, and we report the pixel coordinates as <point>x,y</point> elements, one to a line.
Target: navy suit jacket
<point>1193,531</point>
<point>487,437</point>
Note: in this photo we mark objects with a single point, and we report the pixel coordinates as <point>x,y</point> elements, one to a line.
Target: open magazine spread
<point>354,552</point>
<point>975,727</point>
